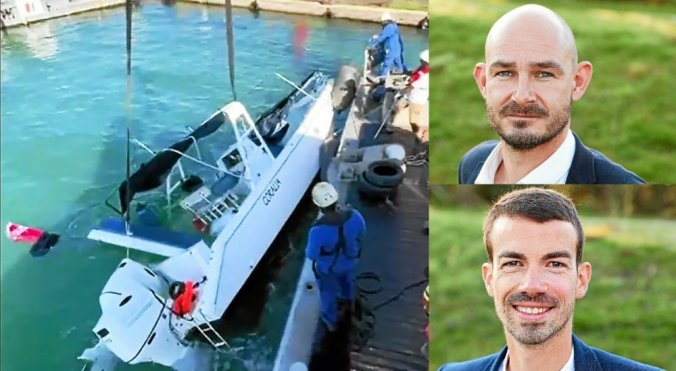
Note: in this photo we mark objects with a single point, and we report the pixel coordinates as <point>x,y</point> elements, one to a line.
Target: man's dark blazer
<point>586,359</point>
<point>588,167</point>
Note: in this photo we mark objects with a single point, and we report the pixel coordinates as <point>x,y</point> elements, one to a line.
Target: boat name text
<point>270,192</point>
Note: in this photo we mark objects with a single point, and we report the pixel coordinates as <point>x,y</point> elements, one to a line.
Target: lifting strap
<point>338,248</point>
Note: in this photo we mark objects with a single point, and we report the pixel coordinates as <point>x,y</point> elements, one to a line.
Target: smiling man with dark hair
<point>535,274</point>
<point>530,80</point>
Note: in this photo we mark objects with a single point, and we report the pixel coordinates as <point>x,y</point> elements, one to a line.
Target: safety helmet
<point>324,194</point>
<point>385,17</point>
<point>425,56</point>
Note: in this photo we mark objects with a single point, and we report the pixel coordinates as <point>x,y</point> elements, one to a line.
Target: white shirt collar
<point>569,366</point>
<point>554,170</point>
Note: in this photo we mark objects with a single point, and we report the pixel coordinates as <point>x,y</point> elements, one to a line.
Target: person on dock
<point>415,97</point>
<point>334,247</point>
<point>393,47</point>
<point>530,78</point>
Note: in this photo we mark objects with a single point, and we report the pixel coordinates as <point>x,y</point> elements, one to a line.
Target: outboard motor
<point>136,321</point>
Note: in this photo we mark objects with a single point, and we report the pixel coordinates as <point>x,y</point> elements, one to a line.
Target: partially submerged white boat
<point>246,196</point>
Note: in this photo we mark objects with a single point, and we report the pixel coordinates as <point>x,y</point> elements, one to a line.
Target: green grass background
<point>409,4</point>
<point>627,113</point>
<point>629,309</point>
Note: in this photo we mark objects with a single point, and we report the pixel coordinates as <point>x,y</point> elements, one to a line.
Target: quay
<point>24,12</point>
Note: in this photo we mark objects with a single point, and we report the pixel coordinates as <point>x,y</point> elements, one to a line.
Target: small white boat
<point>246,196</point>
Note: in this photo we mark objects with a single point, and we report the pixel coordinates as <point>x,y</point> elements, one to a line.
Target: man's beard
<point>533,333</point>
<point>520,139</point>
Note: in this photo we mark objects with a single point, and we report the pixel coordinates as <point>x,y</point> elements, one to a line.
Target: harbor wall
<point>54,9</point>
<point>12,17</point>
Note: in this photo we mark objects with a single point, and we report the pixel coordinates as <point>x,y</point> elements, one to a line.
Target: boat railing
<point>243,126</point>
<point>208,209</point>
<point>171,187</point>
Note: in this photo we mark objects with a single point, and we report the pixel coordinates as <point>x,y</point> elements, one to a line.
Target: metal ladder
<point>209,328</point>
<point>213,209</point>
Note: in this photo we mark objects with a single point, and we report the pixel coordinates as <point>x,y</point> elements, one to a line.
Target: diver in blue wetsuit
<point>334,248</point>
<point>393,47</point>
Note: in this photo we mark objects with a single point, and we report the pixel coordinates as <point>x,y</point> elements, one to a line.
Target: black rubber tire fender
<point>371,190</point>
<point>384,173</point>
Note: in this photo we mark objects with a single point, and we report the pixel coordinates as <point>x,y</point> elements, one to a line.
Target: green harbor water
<point>63,144</point>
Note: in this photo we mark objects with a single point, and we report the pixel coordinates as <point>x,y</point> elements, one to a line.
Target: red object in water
<point>184,302</point>
<point>20,233</point>
<point>300,35</point>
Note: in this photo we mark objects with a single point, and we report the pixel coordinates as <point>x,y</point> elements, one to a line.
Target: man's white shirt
<point>421,90</point>
<point>554,170</point>
<point>569,366</point>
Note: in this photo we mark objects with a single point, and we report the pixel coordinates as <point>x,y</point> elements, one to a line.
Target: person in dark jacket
<point>586,358</point>
<point>535,274</point>
<point>334,248</point>
<point>530,79</point>
<point>587,167</point>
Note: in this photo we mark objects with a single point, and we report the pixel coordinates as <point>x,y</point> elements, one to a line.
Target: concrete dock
<point>24,12</point>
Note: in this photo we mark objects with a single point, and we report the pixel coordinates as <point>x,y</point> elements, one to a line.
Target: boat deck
<point>396,249</point>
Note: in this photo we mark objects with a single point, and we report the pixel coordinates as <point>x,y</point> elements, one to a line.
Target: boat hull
<point>223,268</point>
<point>241,245</point>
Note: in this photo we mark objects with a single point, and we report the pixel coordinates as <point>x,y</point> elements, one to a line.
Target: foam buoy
<point>42,242</point>
<point>396,152</point>
<point>345,87</point>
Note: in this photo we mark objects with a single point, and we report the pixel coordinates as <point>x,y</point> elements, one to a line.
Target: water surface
<point>63,150</point>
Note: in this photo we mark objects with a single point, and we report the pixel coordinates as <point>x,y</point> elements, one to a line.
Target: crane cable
<point>128,92</point>
<point>231,48</point>
<point>128,96</point>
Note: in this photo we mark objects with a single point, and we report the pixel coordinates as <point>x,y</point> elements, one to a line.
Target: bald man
<point>529,81</point>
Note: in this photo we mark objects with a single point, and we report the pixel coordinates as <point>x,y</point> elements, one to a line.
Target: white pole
<point>295,86</point>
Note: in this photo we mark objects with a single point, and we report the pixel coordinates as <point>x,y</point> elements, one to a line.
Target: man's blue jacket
<point>322,245</point>
<point>391,39</point>
<point>586,359</point>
